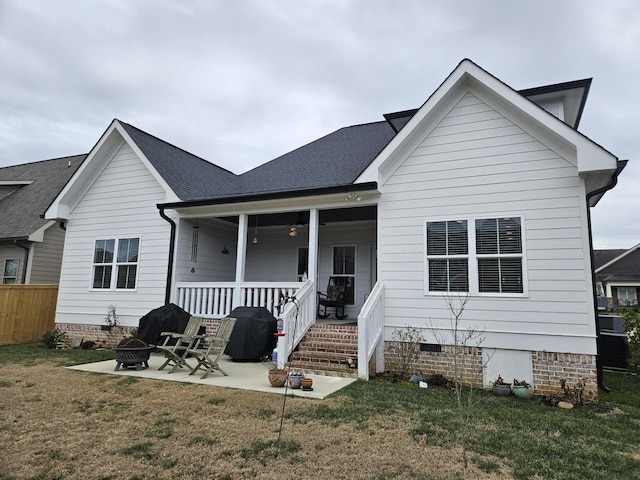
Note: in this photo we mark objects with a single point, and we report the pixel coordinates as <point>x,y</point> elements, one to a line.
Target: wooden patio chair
<point>209,357</point>
<point>334,298</point>
<point>176,354</point>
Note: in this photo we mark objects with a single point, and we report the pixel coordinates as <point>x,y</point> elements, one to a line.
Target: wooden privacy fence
<point>26,312</point>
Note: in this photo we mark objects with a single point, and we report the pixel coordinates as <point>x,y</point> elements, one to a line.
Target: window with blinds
<point>475,255</point>
<point>448,256</point>
<point>499,254</point>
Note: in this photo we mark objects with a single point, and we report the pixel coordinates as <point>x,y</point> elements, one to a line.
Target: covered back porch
<point>280,260</point>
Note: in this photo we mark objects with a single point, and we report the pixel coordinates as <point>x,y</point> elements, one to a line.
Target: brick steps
<point>325,349</point>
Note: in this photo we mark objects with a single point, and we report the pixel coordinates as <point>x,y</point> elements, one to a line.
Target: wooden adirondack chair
<point>209,357</point>
<point>176,354</point>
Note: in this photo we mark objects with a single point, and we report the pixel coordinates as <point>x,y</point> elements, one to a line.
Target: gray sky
<point>241,82</point>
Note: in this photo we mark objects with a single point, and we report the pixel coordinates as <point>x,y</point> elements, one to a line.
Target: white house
<point>482,191</point>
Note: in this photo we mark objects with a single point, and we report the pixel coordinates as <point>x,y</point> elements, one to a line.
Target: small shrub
<point>632,329</point>
<point>408,348</point>
<point>52,337</point>
<point>112,319</point>
<point>438,380</point>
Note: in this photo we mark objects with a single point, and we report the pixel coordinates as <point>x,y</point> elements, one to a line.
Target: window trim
<point>446,256</point>
<point>114,264</point>
<point>474,281</point>
<point>4,271</point>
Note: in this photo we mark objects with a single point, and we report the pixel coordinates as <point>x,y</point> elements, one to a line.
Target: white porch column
<point>314,220</point>
<point>241,257</point>
<point>313,245</point>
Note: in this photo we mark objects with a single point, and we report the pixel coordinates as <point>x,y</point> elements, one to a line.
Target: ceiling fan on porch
<point>300,221</point>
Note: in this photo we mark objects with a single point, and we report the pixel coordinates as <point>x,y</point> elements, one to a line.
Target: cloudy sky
<point>241,82</point>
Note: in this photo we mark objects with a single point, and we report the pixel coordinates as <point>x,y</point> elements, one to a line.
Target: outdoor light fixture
<point>225,250</point>
<point>352,196</point>
<point>293,232</point>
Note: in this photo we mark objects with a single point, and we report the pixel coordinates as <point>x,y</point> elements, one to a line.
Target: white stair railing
<point>371,332</point>
<point>298,315</point>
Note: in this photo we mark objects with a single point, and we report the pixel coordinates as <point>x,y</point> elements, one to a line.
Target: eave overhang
<point>273,197</point>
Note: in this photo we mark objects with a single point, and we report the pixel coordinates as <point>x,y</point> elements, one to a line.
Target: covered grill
<point>253,336</point>
<point>168,318</point>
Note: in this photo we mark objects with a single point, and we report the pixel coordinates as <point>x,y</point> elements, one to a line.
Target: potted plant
<point>501,388</point>
<point>522,389</point>
<point>295,380</point>
<point>277,376</point>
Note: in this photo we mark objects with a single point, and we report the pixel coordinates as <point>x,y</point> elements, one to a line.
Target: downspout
<point>26,260</point>
<point>609,186</point>
<point>172,242</point>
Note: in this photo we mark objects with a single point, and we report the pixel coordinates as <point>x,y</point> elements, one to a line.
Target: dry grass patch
<point>62,424</point>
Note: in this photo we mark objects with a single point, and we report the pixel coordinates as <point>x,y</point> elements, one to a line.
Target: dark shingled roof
<point>189,176</point>
<point>334,160</point>
<point>21,206</point>
<point>602,257</point>
<point>626,269</point>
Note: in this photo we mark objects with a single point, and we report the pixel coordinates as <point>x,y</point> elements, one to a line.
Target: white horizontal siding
<point>211,264</point>
<point>120,204</point>
<point>478,162</point>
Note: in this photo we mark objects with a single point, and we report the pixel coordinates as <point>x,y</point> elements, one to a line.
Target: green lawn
<point>536,440</point>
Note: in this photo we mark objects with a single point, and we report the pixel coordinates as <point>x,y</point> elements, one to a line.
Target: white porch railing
<point>217,299</point>
<point>371,332</point>
<point>297,317</point>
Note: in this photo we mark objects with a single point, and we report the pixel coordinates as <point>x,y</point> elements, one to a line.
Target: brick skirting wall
<point>429,363</point>
<point>103,338</point>
<point>549,368</point>
<point>94,333</point>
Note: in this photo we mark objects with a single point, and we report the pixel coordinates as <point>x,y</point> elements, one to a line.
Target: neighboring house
<point>30,246</point>
<point>618,277</point>
<point>480,190</point>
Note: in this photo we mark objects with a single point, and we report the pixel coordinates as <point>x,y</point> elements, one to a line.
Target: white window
<point>499,253</point>
<point>344,265</point>
<point>448,256</point>
<point>10,274</point>
<point>125,263</point>
<point>479,256</point>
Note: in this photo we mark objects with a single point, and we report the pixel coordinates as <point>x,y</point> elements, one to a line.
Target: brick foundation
<point>102,338</point>
<point>94,333</point>
<point>429,363</point>
<point>549,368</point>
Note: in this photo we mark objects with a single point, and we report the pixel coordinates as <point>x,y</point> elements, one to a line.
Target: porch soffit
<point>284,206</point>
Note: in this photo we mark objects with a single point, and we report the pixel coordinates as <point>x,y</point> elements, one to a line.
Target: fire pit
<point>133,352</point>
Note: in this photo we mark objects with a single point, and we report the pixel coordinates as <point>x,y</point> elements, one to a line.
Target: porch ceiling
<point>368,212</point>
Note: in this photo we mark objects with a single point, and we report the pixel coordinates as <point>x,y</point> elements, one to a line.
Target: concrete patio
<point>241,375</point>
